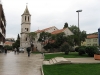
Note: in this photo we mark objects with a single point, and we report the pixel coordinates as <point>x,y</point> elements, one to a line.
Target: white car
<point>21,50</point>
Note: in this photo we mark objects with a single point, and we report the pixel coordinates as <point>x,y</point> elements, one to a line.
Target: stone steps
<point>56,60</point>
<point>61,60</point>
<point>50,61</point>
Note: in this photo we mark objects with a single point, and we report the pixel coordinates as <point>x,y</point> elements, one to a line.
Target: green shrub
<point>81,50</point>
<point>76,49</point>
<point>98,51</point>
<point>65,48</point>
<point>91,50</point>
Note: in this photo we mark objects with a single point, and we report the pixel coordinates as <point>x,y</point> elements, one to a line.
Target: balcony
<point>1,43</point>
<point>2,21</point>
<point>0,30</point>
<point>2,33</point>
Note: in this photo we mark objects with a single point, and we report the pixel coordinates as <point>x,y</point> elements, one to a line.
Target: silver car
<point>21,50</point>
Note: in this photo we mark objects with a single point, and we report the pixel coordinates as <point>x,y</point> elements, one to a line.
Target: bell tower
<point>25,28</point>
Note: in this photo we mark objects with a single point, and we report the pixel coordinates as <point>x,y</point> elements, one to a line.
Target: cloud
<point>47,13</point>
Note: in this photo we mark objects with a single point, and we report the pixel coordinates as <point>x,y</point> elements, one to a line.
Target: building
<point>9,42</point>
<point>92,40</point>
<point>49,30</point>
<point>2,26</point>
<point>65,30</point>
<point>25,28</point>
<point>52,30</point>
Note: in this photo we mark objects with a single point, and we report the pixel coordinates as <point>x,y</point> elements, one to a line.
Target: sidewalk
<point>21,64</point>
<point>83,60</point>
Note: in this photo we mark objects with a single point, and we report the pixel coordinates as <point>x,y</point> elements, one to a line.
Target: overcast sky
<point>47,13</point>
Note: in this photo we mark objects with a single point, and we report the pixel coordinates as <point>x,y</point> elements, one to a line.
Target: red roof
<point>38,31</point>
<point>92,36</point>
<point>8,43</point>
<point>58,31</point>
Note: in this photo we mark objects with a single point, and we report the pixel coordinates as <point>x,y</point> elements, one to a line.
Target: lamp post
<point>78,26</point>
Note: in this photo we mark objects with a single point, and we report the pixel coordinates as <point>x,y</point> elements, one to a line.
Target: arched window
<point>25,18</point>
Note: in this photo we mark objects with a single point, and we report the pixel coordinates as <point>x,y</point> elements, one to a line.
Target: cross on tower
<point>26,3</point>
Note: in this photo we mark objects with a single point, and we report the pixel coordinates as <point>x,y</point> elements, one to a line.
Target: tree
<point>59,39</point>
<point>42,39</point>
<point>81,34</point>
<point>66,25</point>
<point>65,47</point>
<point>8,47</point>
<point>44,36</point>
<point>18,37</point>
<point>32,36</point>
<point>17,42</point>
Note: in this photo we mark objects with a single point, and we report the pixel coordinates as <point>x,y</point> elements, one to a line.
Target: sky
<point>48,13</point>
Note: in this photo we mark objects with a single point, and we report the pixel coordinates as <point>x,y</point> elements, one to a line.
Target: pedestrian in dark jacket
<point>28,51</point>
<point>17,50</point>
<point>5,51</point>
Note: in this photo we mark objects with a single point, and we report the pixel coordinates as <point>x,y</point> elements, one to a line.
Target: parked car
<point>21,50</point>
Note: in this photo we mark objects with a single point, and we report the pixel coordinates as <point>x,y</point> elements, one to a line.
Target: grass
<point>36,52</point>
<point>72,69</point>
<point>70,55</point>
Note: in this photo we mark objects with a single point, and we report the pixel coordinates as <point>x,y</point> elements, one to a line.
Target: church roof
<point>39,31</point>
<point>26,12</point>
<point>58,31</point>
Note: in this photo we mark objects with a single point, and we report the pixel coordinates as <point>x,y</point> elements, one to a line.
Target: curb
<point>42,73</point>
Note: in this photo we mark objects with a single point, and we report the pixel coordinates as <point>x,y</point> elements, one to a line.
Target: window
<point>28,18</point>
<point>25,18</point>
<point>94,44</point>
<point>94,40</point>
<point>88,40</point>
<point>27,29</point>
<point>26,39</point>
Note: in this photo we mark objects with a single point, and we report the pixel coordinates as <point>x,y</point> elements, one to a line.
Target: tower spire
<point>26,10</point>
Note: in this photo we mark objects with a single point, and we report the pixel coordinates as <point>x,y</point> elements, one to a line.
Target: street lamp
<point>78,25</point>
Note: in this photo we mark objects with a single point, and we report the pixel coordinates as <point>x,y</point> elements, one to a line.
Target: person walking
<point>28,51</point>
<point>5,51</point>
<point>15,50</point>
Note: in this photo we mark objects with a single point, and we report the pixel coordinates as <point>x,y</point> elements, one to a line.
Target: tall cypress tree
<point>66,25</point>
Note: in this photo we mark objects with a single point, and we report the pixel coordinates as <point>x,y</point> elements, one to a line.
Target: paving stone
<point>20,64</point>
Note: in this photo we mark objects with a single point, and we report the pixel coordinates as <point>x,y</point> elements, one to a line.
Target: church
<point>25,30</point>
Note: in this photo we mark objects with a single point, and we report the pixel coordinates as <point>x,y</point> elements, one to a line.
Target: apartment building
<point>92,40</point>
<point>2,26</point>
